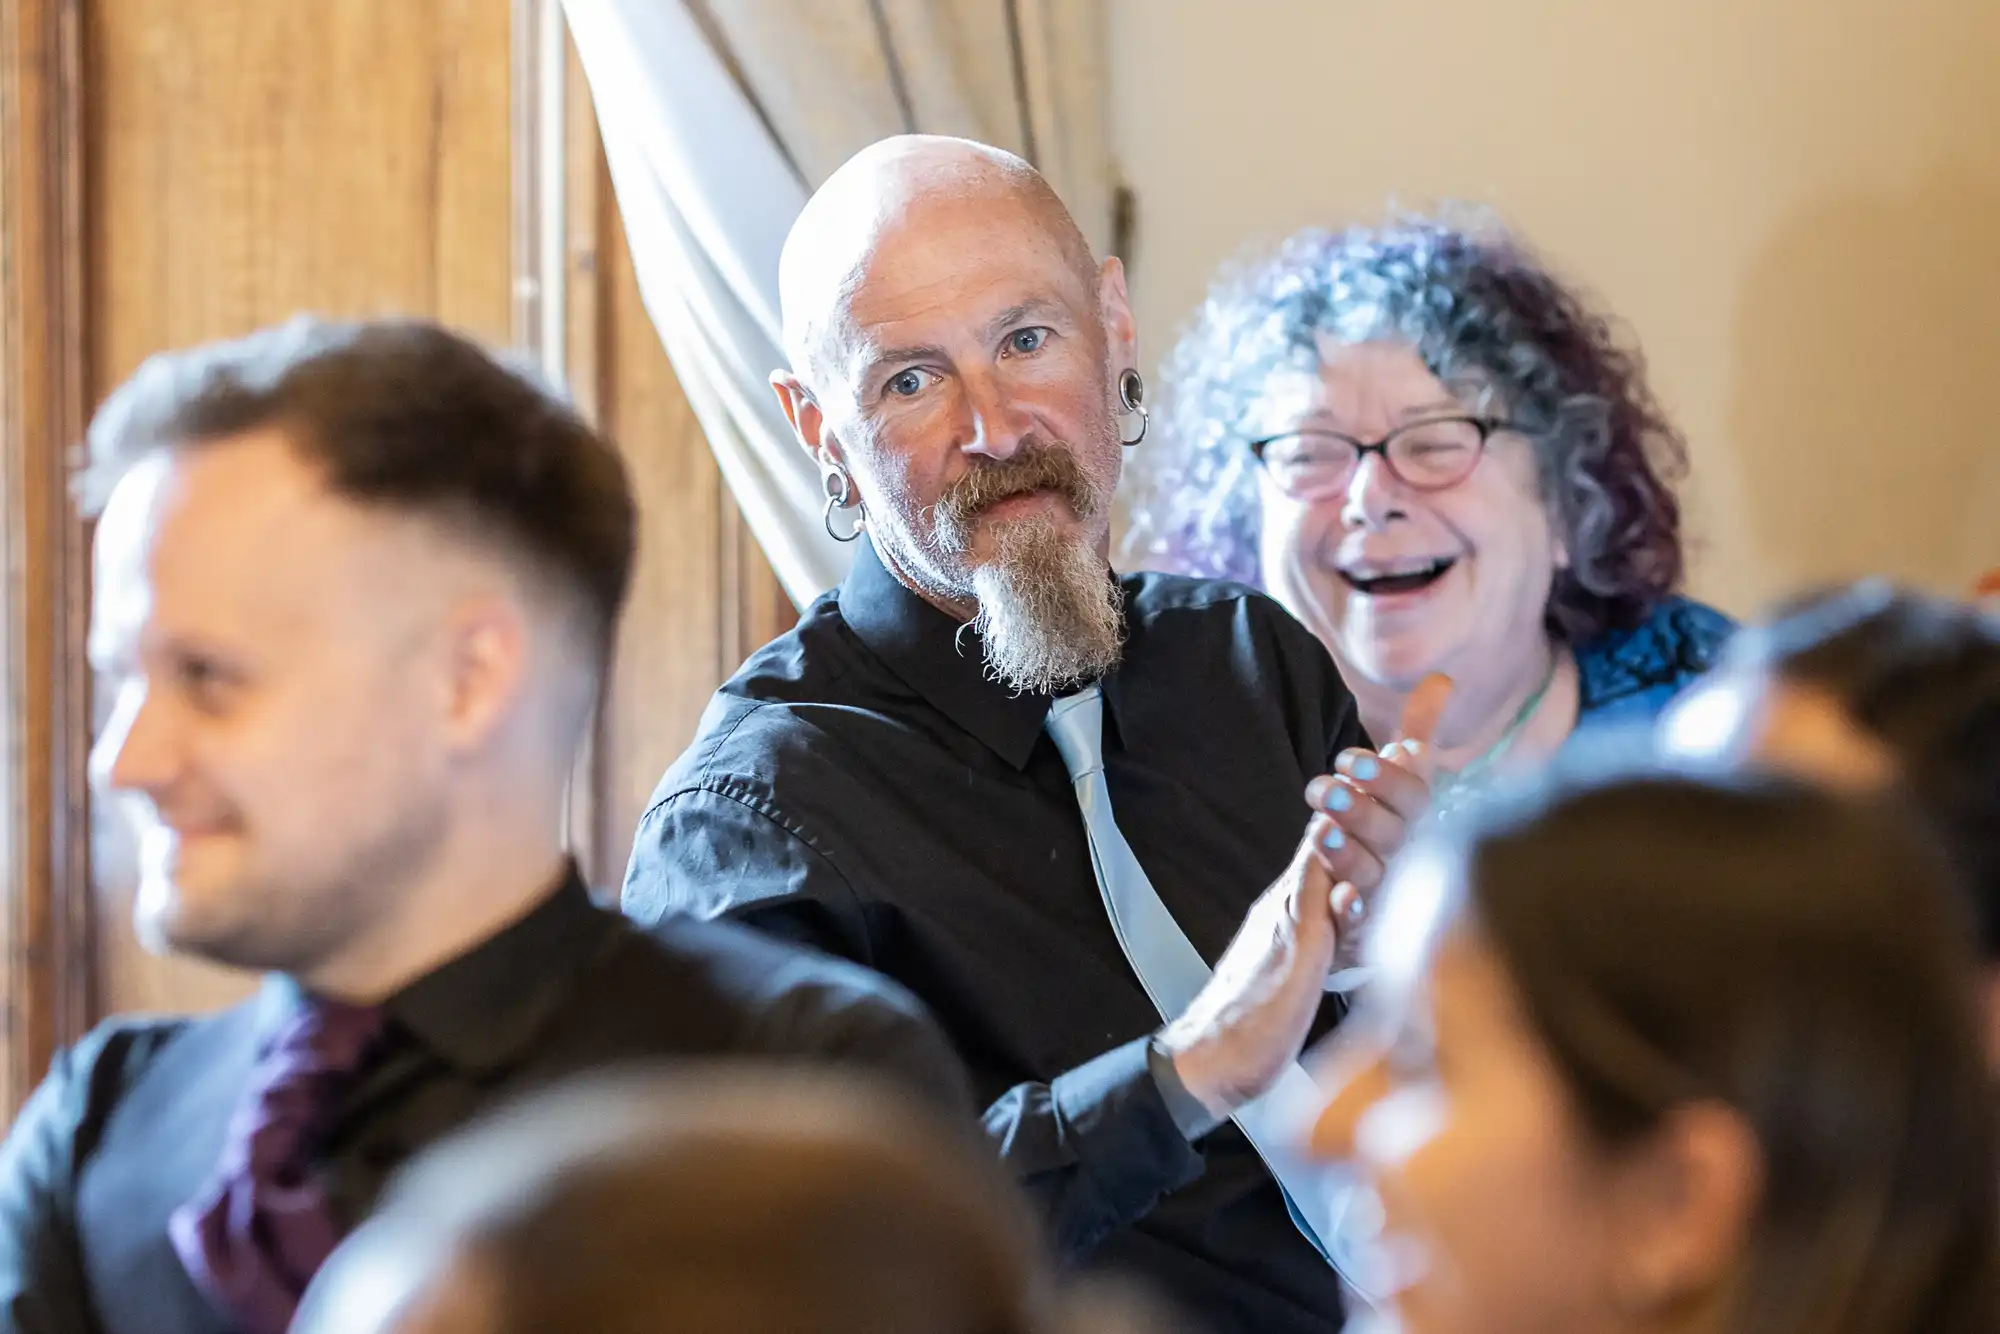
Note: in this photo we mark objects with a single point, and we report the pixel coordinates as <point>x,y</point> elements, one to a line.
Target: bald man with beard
<point>883,782</point>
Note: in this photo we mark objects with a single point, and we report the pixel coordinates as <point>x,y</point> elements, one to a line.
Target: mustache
<point>1040,467</point>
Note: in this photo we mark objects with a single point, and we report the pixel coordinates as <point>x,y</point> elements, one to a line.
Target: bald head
<point>909,190</point>
<point>956,357</point>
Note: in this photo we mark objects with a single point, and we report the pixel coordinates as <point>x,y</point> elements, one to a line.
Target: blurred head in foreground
<point>747,1200</point>
<point>1663,1052</point>
<point>1870,688</point>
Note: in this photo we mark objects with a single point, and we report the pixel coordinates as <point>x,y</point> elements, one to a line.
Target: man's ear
<point>1121,331</point>
<point>807,421</point>
<point>486,666</point>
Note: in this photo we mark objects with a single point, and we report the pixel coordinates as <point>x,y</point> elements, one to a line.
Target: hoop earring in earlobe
<point>1132,397</point>
<point>840,496</point>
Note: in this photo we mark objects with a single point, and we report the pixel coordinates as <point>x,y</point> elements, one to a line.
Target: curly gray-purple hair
<point>1483,314</point>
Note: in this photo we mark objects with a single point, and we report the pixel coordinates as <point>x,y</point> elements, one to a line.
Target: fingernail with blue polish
<point>1333,838</point>
<point>1339,799</point>
<point>1365,767</point>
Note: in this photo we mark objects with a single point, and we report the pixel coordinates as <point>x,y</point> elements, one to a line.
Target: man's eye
<point>1027,340</point>
<point>906,384</point>
<point>204,683</point>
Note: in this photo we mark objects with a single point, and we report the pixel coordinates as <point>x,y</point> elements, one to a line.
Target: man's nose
<point>135,752</point>
<point>996,426</point>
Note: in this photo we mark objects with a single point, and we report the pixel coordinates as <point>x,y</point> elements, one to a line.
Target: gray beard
<point>1050,616</point>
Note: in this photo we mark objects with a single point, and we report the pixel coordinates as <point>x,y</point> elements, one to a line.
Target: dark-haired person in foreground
<point>697,1198</point>
<point>1864,688</point>
<point>1659,1054</point>
<point>355,588</point>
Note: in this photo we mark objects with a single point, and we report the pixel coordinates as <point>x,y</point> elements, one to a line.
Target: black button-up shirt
<point>130,1123</point>
<point>860,784</point>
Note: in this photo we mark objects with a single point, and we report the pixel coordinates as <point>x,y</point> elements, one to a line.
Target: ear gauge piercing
<point>840,496</point>
<point>1132,397</point>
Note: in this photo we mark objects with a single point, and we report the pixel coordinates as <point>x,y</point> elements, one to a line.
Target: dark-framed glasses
<point>1427,455</point>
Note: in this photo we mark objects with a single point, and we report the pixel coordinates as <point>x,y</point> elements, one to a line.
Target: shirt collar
<point>481,1010</point>
<point>939,658</point>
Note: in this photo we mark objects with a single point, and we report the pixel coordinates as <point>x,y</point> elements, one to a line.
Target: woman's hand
<point>1363,811</point>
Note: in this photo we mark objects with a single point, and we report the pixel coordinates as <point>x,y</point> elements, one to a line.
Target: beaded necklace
<point>1450,790</point>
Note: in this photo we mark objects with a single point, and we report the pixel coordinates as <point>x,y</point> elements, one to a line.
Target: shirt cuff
<point>1192,1119</point>
<point>1121,1136</point>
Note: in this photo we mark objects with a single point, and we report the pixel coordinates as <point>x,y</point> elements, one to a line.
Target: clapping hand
<point>1252,1018</point>
<point>1364,810</point>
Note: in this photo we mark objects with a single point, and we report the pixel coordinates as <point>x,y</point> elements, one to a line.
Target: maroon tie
<point>254,1238</point>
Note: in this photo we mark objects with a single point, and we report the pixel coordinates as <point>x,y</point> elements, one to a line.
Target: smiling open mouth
<point>1411,580</point>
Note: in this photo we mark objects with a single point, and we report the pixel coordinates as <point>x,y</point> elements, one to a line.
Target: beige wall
<point>1795,206</point>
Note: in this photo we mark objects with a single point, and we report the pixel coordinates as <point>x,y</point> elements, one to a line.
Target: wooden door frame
<point>47,965</point>
<point>50,992</point>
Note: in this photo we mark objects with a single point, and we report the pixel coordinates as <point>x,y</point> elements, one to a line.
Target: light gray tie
<point>1173,972</point>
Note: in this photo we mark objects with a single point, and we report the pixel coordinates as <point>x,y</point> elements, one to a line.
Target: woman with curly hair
<point>1440,459</point>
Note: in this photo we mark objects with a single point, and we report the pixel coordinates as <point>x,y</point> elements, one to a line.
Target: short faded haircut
<point>406,415</point>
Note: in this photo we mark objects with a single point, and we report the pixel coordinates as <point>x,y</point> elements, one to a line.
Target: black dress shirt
<point>861,785</point>
<point>129,1123</point>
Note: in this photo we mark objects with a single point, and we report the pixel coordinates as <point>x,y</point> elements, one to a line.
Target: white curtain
<point>720,116</point>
